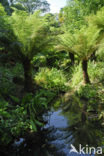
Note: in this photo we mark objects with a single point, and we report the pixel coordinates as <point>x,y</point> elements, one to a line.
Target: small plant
<point>87,92</point>
<point>39,60</point>
<point>52,79</point>
<point>18,120</point>
<point>96,71</point>
<point>77,77</point>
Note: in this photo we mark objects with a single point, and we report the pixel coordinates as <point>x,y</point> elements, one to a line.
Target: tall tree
<point>5,29</point>
<point>73,15</point>
<point>32,5</point>
<point>91,6</point>
<point>52,20</point>
<point>5,3</point>
<point>32,37</point>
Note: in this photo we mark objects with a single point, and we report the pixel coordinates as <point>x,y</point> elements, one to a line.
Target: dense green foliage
<point>32,5</point>
<point>46,55</point>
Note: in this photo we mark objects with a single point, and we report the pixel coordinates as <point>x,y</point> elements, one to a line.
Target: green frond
<point>97,19</point>
<point>2,10</point>
<point>81,43</point>
<point>30,31</point>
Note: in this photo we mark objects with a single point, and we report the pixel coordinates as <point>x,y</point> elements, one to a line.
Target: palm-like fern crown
<point>30,31</point>
<point>6,32</point>
<point>81,43</point>
<point>98,20</point>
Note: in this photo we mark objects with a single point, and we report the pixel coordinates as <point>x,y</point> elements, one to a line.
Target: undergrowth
<point>52,79</point>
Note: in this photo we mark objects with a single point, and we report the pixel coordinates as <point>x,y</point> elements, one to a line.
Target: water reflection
<point>73,125</point>
<point>56,135</point>
<point>66,125</point>
<point>84,128</point>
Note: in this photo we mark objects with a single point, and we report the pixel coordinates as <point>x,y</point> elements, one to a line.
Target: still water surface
<point>63,128</point>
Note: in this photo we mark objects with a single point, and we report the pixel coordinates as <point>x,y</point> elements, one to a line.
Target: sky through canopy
<point>56,5</point>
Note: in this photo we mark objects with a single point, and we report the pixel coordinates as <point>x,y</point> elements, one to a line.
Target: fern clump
<point>52,79</point>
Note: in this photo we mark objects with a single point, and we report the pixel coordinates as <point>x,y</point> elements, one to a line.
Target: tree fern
<point>31,37</point>
<point>82,43</point>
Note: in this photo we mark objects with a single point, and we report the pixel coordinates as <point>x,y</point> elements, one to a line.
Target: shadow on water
<point>65,126</point>
<point>72,125</point>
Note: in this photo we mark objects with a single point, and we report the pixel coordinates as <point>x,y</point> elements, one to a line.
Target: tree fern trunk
<point>28,81</point>
<point>72,58</point>
<point>85,73</point>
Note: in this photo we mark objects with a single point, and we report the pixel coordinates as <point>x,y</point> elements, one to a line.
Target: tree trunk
<point>28,81</point>
<point>93,57</point>
<point>85,73</point>
<point>72,58</point>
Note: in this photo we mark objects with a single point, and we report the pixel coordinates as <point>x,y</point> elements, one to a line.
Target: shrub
<point>77,77</point>
<point>52,79</point>
<point>39,60</point>
<point>6,78</point>
<point>87,91</point>
<point>95,71</point>
<point>18,120</point>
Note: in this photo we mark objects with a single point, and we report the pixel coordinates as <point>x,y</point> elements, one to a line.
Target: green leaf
<point>39,123</point>
<point>33,126</point>
<point>15,99</point>
<point>4,113</point>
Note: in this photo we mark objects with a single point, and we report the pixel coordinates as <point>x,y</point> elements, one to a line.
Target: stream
<point>64,129</point>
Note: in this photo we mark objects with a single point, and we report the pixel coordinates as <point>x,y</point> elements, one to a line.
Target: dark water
<point>64,127</point>
<point>56,136</point>
<point>62,135</point>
